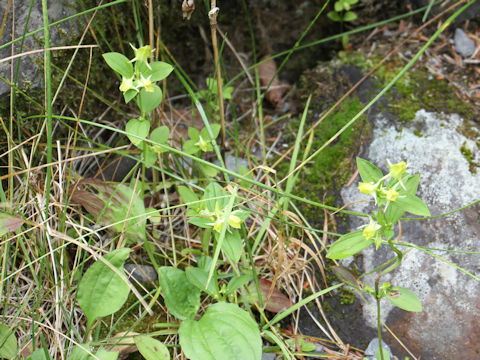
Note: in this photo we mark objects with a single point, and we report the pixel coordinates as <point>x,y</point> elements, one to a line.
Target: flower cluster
<point>138,81</point>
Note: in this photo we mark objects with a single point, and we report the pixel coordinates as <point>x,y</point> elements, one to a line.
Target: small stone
<point>372,348</point>
<point>463,44</point>
<point>269,356</point>
<point>140,273</point>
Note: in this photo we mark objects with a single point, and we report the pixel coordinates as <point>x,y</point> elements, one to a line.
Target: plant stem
<point>213,29</point>
<point>379,321</point>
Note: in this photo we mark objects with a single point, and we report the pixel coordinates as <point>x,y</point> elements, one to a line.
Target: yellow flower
<point>392,195</point>
<point>397,170</point>
<point>142,54</point>
<point>127,84</point>
<point>371,230</point>
<point>234,221</point>
<point>202,144</point>
<point>146,83</point>
<point>367,188</point>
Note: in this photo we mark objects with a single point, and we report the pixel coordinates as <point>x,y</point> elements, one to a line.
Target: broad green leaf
<point>79,352</point>
<point>214,193</point>
<point>137,129</point>
<point>190,147</point>
<point>103,354</point>
<point>393,213</point>
<point>9,223</point>
<point>236,283</point>
<point>333,15</point>
<point>368,172</point>
<point>149,155</point>
<point>188,197</point>
<point>208,171</point>
<point>181,297</point>
<point>119,63</point>
<point>8,343</point>
<point>203,222</point>
<point>199,277</point>
<point>224,332</point>
<point>129,95</point>
<point>151,349</point>
<point>349,16</point>
<point>232,245</point>
<point>149,100</point>
<point>160,135</point>
<point>215,131</point>
<point>386,354</point>
<point>338,6</point>
<point>102,291</point>
<point>348,245</point>
<point>404,299</point>
<point>40,354</point>
<point>413,205</point>
<point>193,133</point>
<point>160,70</point>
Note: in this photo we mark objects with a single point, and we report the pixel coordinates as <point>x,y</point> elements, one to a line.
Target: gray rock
<point>268,356</point>
<point>141,273</point>
<point>372,348</point>
<point>463,44</point>
<point>29,71</point>
<point>449,326</point>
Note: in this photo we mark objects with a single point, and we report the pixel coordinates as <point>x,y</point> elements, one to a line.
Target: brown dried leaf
<point>9,223</point>
<point>266,72</point>
<point>127,344</point>
<point>277,301</point>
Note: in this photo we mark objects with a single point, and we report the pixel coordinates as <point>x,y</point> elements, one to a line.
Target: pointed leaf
<point>188,196</point>
<point>160,136</point>
<point>137,130</point>
<point>40,354</point>
<point>181,297</point>
<point>160,70</point>
<point>404,299</point>
<point>368,171</point>
<point>333,15</point>
<point>119,63</point>
<point>348,245</point>
<point>413,205</point>
<point>224,332</point>
<point>232,245</point>
<point>236,283</point>
<point>349,16</point>
<point>8,343</point>
<point>214,193</point>
<point>9,223</point>
<point>151,349</point>
<point>102,291</point>
<point>199,277</point>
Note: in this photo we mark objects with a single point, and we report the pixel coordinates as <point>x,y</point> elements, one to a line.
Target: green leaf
<point>338,6</point>
<point>102,291</point>
<point>129,95</point>
<point>208,171</point>
<point>368,171</point>
<point>214,193</point>
<point>404,299</point>
<point>160,135</point>
<point>236,283</point>
<point>79,352</point>
<point>9,223</point>
<point>386,354</point>
<point>413,205</point>
<point>333,15</point>
<point>349,16</point>
<point>160,70</point>
<point>181,297</point>
<point>232,245</point>
<point>103,354</point>
<point>149,100</point>
<point>151,349</point>
<point>39,354</point>
<point>119,63</point>
<point>8,343</point>
<point>199,277</point>
<point>194,134</point>
<point>348,245</point>
<point>190,147</point>
<point>224,332</point>
<point>137,129</point>
<point>188,197</point>
<point>149,155</point>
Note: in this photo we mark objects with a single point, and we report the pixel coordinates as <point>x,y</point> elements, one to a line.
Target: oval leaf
<point>9,223</point>
<point>8,343</point>
<point>149,100</point>
<point>232,245</point>
<point>160,136</point>
<point>137,130</point>
<point>160,70</point>
<point>181,297</point>
<point>102,291</point>
<point>236,283</point>
<point>199,277</point>
<point>119,63</point>
<point>277,301</point>
<point>404,299</point>
<point>151,349</point>
<point>348,245</point>
<point>224,332</point>
<point>413,205</point>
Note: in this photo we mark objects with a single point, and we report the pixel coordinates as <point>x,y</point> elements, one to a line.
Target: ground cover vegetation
<point>112,174</point>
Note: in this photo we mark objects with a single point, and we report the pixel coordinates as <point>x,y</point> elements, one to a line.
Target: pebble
<point>140,273</point>
<point>463,44</point>
<point>372,348</point>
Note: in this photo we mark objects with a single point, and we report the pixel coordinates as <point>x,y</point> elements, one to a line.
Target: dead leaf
<point>9,223</point>
<point>277,301</point>
<point>277,89</point>
<point>126,344</point>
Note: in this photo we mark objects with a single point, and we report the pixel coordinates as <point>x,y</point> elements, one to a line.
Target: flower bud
<point>397,170</point>
<point>367,188</point>
<point>370,230</point>
<point>127,84</point>
<point>392,195</point>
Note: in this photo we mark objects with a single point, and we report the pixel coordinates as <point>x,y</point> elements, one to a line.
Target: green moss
<point>347,296</point>
<point>332,167</point>
<point>468,155</point>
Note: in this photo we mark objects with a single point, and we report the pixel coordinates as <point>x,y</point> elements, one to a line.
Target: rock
<point>372,348</point>
<point>29,70</point>
<point>463,44</point>
<point>449,325</point>
<point>141,273</point>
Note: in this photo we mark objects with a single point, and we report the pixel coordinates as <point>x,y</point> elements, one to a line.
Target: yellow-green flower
<point>142,54</point>
<point>392,195</point>
<point>234,221</point>
<point>146,83</point>
<point>371,229</point>
<point>367,188</point>
<point>397,170</point>
<point>202,144</point>
<point>127,84</point>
